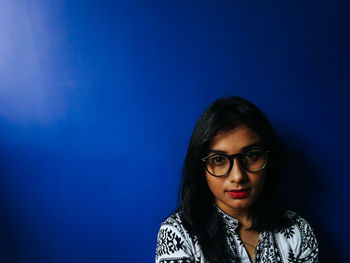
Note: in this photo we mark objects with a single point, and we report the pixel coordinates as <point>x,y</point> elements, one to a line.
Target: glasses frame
<point>239,157</point>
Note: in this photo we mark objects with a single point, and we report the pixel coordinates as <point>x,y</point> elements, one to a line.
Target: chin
<point>239,204</point>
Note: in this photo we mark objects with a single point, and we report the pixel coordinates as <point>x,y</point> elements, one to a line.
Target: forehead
<point>234,140</point>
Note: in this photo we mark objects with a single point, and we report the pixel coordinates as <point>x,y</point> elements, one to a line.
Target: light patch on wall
<point>27,91</point>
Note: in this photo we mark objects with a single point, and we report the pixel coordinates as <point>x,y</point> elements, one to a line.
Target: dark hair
<point>196,207</point>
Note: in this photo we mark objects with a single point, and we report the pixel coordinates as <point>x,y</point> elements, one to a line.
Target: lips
<point>239,193</point>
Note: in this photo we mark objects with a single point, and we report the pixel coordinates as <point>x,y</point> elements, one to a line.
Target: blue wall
<point>98,100</point>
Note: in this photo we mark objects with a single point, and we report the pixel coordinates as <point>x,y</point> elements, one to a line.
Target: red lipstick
<point>239,193</point>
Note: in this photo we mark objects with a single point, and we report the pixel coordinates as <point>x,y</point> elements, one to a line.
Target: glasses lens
<point>218,165</point>
<point>254,160</point>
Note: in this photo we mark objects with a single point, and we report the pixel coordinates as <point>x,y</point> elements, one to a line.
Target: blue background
<point>98,100</point>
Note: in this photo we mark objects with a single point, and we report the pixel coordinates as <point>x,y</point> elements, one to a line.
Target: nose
<point>237,173</point>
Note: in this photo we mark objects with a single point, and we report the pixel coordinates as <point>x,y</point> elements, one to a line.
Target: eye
<point>253,154</point>
<point>217,160</point>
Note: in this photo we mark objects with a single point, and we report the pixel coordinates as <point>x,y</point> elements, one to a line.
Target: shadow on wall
<point>302,184</point>
<point>9,252</point>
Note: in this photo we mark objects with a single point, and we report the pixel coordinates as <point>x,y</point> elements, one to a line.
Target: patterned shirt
<point>296,243</point>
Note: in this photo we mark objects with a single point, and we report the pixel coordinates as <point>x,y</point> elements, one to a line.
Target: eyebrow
<point>245,148</point>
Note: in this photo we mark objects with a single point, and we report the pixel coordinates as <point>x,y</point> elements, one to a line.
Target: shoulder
<point>174,242</point>
<point>298,228</point>
<point>297,238</point>
<point>174,220</point>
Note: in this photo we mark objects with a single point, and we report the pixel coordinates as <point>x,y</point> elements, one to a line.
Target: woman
<point>229,210</point>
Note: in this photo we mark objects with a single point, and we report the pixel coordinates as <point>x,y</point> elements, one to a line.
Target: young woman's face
<point>238,190</point>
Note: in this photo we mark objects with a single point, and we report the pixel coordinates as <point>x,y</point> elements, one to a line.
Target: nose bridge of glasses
<point>237,156</point>
<point>236,168</point>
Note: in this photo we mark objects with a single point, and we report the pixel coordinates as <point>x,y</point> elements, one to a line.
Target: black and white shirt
<point>296,243</point>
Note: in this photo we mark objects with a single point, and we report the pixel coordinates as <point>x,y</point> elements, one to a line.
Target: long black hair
<point>196,207</point>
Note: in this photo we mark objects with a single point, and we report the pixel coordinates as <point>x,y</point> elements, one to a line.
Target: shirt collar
<point>230,222</point>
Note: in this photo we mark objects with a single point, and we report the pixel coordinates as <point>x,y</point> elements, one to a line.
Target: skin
<point>232,142</point>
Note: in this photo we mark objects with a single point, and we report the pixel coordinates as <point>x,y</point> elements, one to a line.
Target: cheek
<point>260,182</point>
<point>214,184</point>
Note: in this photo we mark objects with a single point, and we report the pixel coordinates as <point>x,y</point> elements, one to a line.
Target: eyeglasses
<point>252,160</point>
